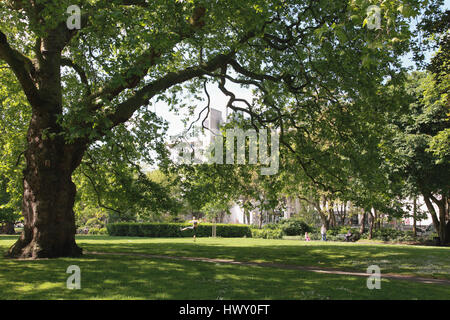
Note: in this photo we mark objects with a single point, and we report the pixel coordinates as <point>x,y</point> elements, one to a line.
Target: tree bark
<point>372,222</point>
<point>378,222</point>
<point>440,224</point>
<point>323,217</point>
<point>49,193</point>
<point>48,190</point>
<point>415,216</point>
<point>363,223</point>
<point>332,217</point>
<point>443,215</point>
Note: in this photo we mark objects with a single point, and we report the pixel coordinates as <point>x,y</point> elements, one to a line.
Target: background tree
<point>14,118</point>
<point>426,172</point>
<point>8,216</point>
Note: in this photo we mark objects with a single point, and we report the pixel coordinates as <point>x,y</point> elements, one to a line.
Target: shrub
<point>93,223</point>
<point>267,233</point>
<point>315,236</point>
<point>172,230</point>
<point>390,235</point>
<point>97,231</point>
<point>433,235</point>
<point>294,227</point>
<point>341,230</point>
<point>332,237</point>
<point>271,226</point>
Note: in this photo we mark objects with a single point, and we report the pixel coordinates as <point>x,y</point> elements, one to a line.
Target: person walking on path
<point>323,231</point>
<point>194,226</point>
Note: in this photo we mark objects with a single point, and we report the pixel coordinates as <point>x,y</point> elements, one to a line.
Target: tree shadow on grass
<point>115,277</point>
<point>118,277</point>
<point>424,261</point>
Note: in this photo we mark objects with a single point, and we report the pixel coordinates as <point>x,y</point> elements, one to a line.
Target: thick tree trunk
<point>444,224</point>
<point>363,223</point>
<point>344,212</point>
<point>415,216</point>
<point>49,229</point>
<point>440,224</point>
<point>376,222</point>
<point>447,232</point>
<point>444,234</point>
<point>49,194</point>
<point>372,223</point>
<point>332,217</point>
<point>321,211</point>
<point>322,215</point>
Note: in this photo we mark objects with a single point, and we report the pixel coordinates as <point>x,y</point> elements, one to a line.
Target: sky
<point>218,102</point>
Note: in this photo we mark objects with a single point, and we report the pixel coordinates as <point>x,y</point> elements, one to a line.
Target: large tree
<point>130,51</point>
<point>422,158</point>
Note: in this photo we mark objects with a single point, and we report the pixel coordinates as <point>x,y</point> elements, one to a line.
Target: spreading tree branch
<point>126,109</point>
<point>22,67</point>
<point>78,69</point>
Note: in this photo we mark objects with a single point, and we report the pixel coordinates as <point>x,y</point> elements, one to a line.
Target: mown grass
<point>403,259</point>
<point>134,277</point>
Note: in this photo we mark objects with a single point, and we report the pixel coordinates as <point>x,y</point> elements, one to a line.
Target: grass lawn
<point>134,277</point>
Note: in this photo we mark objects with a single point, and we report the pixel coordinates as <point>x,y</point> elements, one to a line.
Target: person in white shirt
<point>323,231</point>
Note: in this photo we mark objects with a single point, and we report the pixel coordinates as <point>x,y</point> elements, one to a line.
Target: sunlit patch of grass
<point>136,277</point>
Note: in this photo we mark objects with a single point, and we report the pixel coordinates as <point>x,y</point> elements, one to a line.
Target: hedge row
<point>172,230</point>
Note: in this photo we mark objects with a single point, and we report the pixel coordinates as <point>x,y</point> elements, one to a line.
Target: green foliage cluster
<point>391,235</point>
<point>340,230</point>
<point>98,231</point>
<point>337,234</point>
<point>286,227</point>
<point>7,214</point>
<point>294,227</point>
<point>14,118</point>
<point>90,217</point>
<point>92,231</point>
<point>267,233</point>
<point>315,236</point>
<point>160,230</point>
